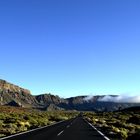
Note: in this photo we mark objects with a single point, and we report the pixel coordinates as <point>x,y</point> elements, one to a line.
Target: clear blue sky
<point>71,47</point>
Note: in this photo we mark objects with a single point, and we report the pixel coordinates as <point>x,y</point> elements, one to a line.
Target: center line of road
<point>68,126</point>
<point>60,133</point>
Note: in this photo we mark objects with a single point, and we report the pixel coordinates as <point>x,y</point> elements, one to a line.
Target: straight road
<point>74,129</point>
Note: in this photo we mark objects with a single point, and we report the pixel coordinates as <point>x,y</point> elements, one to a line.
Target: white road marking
<point>97,130</point>
<point>29,131</point>
<point>68,126</point>
<point>60,133</point>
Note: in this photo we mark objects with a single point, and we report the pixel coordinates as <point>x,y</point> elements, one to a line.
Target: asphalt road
<point>74,129</point>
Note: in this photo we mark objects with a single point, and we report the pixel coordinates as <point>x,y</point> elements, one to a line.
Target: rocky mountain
<point>13,95</point>
<point>80,103</point>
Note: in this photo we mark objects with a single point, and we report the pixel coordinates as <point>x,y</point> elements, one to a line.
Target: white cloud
<point>117,99</point>
<point>121,99</point>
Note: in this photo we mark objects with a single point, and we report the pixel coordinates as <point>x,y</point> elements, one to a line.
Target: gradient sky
<point>71,47</point>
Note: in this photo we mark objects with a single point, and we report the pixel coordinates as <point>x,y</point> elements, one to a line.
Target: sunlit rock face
<point>14,95</point>
<point>8,87</point>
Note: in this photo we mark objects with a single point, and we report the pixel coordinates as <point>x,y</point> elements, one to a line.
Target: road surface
<point>74,129</point>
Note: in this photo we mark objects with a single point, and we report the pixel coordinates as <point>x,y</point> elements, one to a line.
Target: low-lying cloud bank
<point>116,99</point>
<point>121,99</point>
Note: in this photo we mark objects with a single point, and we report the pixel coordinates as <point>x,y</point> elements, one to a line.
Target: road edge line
<point>97,130</point>
<point>32,130</point>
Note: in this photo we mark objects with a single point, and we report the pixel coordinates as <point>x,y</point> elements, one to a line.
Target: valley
<point>20,111</point>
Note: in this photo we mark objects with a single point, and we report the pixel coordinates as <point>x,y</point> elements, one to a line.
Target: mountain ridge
<point>14,95</point>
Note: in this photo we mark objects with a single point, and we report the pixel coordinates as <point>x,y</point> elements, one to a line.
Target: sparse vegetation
<point>123,125</point>
<point>15,120</point>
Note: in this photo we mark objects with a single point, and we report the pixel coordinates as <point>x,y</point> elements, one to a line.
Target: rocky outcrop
<point>8,87</point>
<point>14,95</point>
<point>46,99</point>
<point>14,103</point>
